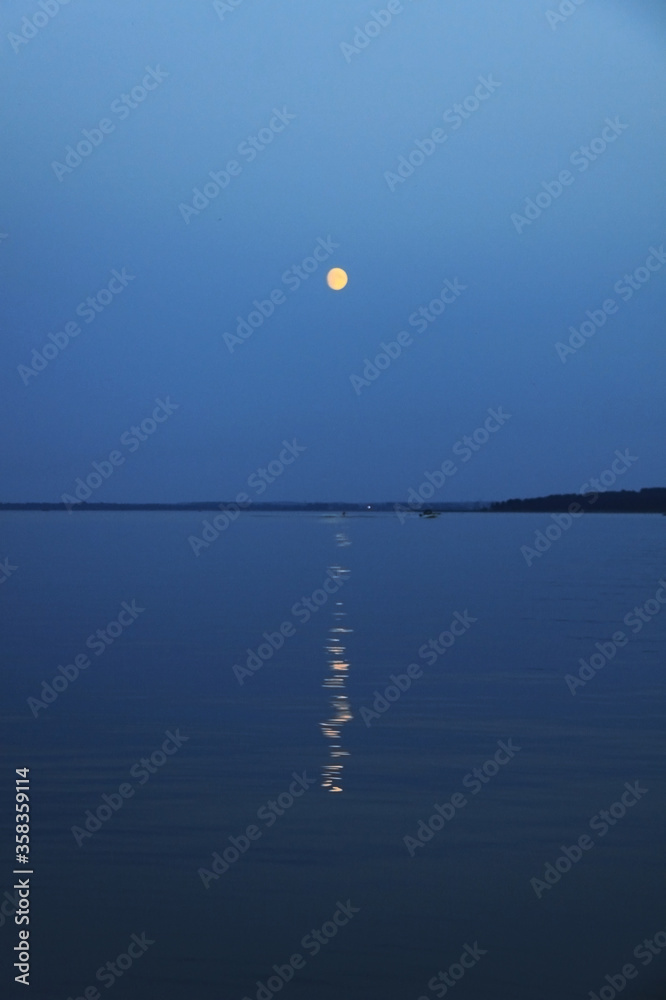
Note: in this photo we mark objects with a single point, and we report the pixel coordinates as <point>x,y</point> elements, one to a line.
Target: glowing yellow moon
<point>336,278</point>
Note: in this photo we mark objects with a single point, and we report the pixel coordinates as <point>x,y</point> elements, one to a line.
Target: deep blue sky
<point>323,176</point>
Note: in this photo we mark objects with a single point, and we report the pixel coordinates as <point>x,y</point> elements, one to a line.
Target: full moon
<point>336,278</point>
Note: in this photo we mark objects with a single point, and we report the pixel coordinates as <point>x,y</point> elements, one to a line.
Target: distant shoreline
<point>645,501</point>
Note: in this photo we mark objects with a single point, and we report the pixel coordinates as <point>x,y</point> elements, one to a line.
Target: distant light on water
<point>336,279</point>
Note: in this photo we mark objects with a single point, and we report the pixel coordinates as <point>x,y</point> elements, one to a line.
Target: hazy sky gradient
<point>323,176</point>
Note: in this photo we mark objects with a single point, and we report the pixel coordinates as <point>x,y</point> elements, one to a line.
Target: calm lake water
<point>367,780</point>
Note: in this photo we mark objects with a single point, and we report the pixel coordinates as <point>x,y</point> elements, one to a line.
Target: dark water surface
<point>369,786</point>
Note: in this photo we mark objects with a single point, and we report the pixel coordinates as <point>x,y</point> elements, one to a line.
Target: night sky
<point>405,155</point>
